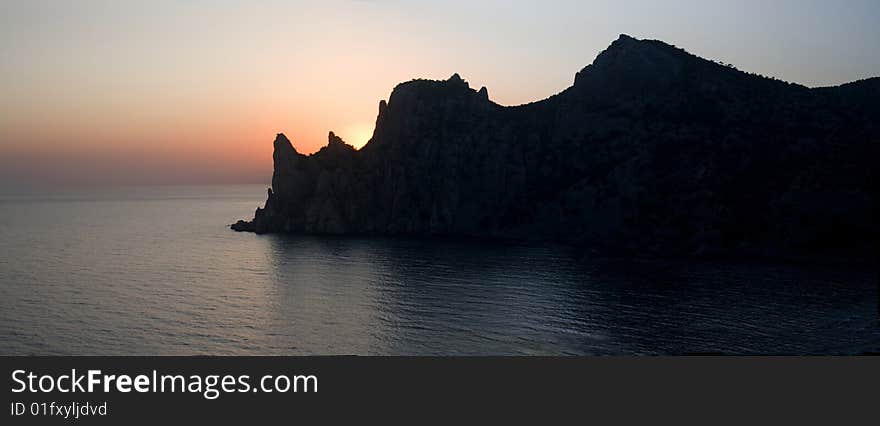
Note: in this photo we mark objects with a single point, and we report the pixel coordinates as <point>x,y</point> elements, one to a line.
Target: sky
<point>193,92</point>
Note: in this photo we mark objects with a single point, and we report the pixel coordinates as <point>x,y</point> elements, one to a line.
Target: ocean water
<point>157,271</point>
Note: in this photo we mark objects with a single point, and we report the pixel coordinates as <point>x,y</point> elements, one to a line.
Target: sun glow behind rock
<point>188,93</point>
<point>357,135</point>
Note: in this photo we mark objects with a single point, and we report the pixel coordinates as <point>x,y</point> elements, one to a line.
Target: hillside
<point>652,150</point>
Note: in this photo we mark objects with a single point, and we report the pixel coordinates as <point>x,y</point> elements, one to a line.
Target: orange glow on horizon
<point>177,91</point>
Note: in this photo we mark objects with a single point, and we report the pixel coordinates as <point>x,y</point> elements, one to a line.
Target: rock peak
<point>456,79</point>
<point>630,62</point>
<point>333,139</point>
<point>282,143</point>
<point>484,94</point>
<point>623,44</point>
<point>335,145</point>
<point>626,42</point>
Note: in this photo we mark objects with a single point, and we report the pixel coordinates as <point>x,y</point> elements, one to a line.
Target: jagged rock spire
<point>282,143</point>
<point>456,79</point>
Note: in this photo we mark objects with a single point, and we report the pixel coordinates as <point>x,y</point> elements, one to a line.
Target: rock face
<point>651,150</point>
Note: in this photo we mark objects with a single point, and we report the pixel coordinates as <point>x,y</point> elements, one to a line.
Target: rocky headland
<point>651,150</point>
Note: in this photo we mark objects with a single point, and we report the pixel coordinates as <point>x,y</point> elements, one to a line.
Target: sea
<point>157,271</point>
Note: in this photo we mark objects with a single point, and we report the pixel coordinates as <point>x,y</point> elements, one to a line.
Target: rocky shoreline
<point>651,150</point>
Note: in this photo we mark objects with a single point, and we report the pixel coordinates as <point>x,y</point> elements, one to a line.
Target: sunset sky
<point>194,91</point>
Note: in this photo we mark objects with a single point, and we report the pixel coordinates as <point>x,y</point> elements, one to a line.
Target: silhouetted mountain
<point>651,150</point>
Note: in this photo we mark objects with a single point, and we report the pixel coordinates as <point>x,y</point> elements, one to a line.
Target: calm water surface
<point>157,271</point>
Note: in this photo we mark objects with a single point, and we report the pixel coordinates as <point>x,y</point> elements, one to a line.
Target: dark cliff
<point>651,150</point>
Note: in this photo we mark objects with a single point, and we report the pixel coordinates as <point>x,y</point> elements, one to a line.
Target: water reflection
<point>158,272</point>
<point>407,296</point>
